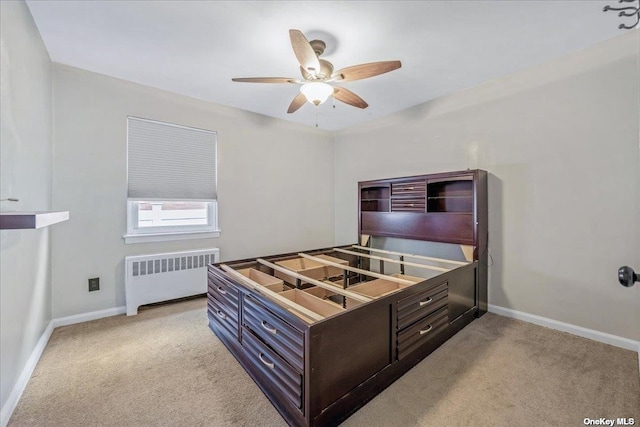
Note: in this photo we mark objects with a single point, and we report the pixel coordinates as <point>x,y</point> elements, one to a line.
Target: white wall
<point>25,173</point>
<point>561,144</point>
<point>275,183</point>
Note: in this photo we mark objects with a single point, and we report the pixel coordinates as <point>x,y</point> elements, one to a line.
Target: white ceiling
<point>195,47</point>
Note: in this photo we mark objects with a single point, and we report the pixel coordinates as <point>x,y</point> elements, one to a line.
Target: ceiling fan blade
<point>297,102</point>
<point>363,71</point>
<point>304,52</point>
<point>348,97</point>
<point>264,79</point>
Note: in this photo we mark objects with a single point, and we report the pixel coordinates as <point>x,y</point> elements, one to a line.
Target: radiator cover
<point>162,277</point>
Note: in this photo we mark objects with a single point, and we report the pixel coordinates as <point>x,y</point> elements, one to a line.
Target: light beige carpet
<point>165,367</point>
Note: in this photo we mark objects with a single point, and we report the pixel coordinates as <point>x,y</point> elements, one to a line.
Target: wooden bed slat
<point>394,261</point>
<point>382,251</point>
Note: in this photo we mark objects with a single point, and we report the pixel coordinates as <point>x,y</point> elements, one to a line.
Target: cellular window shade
<point>169,162</point>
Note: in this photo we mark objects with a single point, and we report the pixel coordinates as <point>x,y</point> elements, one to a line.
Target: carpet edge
<point>20,385</point>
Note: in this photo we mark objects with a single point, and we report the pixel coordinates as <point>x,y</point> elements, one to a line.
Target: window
<point>171,182</point>
<point>172,214</point>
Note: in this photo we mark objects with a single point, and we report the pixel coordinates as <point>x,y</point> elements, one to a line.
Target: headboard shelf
<point>445,207</point>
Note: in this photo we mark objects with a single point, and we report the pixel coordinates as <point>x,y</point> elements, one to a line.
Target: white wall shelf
<point>30,220</point>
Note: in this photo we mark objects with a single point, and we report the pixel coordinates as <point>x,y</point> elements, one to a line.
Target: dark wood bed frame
<point>319,370</point>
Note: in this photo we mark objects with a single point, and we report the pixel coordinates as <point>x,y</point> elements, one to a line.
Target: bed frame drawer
<point>224,292</point>
<point>287,380</point>
<point>422,304</point>
<point>283,338</point>
<point>415,336</point>
<point>227,318</point>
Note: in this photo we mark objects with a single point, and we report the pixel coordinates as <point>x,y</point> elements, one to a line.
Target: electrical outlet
<point>94,284</point>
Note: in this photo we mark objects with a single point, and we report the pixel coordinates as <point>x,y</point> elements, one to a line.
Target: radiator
<point>162,277</point>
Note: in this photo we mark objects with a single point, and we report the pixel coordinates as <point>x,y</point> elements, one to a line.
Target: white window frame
<point>137,234</point>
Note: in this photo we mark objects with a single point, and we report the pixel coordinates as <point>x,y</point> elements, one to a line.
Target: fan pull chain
<point>316,116</point>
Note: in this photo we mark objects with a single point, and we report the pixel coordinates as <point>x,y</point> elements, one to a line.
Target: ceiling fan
<point>318,73</point>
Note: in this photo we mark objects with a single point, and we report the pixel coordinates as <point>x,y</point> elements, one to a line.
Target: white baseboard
<point>86,317</point>
<point>23,380</point>
<point>591,334</point>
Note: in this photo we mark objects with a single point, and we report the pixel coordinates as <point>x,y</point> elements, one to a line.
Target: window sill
<point>165,237</point>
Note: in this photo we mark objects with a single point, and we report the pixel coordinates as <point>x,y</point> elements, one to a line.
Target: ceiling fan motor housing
<point>318,46</point>
<point>326,70</point>
<point>326,67</point>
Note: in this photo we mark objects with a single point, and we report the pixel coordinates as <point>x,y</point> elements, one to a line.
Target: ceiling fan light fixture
<point>316,92</point>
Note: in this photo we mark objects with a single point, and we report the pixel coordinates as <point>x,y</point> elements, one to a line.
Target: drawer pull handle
<point>425,302</point>
<point>424,331</point>
<point>222,291</point>
<point>221,314</point>
<point>272,330</point>
<point>269,364</point>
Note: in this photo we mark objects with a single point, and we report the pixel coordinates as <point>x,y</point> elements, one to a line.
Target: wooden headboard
<point>448,207</point>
